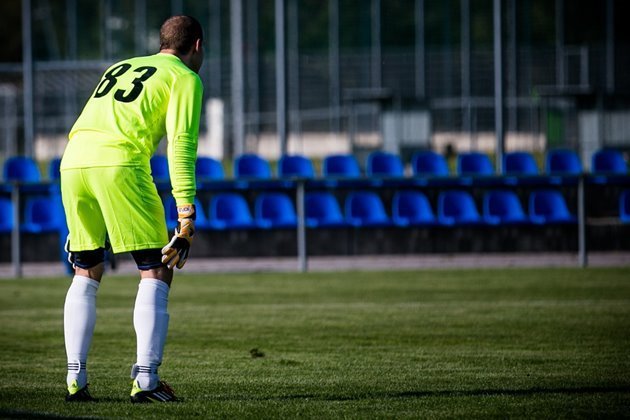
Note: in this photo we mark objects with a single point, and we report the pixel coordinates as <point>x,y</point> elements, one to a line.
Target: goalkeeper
<point>108,192</point>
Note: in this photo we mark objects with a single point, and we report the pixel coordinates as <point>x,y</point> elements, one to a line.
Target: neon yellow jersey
<point>136,103</point>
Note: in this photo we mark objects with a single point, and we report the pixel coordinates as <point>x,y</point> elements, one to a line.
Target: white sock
<point>150,320</point>
<point>79,318</point>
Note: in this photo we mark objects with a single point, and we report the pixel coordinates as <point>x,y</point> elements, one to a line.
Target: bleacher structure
<point>382,207</point>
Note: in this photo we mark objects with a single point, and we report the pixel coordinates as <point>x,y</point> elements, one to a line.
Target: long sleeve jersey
<point>136,103</point>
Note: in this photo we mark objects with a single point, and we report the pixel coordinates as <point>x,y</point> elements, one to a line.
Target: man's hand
<point>175,253</point>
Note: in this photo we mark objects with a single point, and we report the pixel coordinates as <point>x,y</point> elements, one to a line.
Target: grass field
<point>535,343</point>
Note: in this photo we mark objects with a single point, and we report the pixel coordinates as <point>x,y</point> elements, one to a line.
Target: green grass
<point>537,343</point>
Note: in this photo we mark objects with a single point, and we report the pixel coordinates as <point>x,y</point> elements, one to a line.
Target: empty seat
<point>474,163</point>
<point>21,169</point>
<point>42,214</point>
<point>170,211</point>
<point>412,208</point>
<point>457,208</point>
<point>230,211</point>
<point>6,215</point>
<point>53,169</point>
<point>322,210</point>
<point>341,166</point>
<point>608,161</point>
<point>519,163</point>
<point>624,206</point>
<point>384,164</point>
<point>365,209</point>
<point>275,210</point>
<point>549,206</point>
<point>295,166</point>
<point>208,168</point>
<point>563,162</point>
<point>159,168</point>
<point>503,207</point>
<point>429,163</point>
<point>251,165</point>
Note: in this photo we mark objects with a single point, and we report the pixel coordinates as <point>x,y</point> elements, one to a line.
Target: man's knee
<point>148,259</point>
<point>87,259</point>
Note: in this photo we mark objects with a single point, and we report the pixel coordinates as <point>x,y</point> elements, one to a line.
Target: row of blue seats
<point>366,208</point>
<point>361,208</point>
<point>41,214</point>
<point>378,164</point>
<point>383,164</point>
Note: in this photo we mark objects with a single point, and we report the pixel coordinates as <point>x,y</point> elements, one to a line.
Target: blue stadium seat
<point>412,208</point>
<point>21,169</point>
<point>159,168</point>
<point>295,166</point>
<point>519,163</point>
<point>170,211</point>
<point>429,163</point>
<point>322,210</point>
<point>251,165</point>
<point>230,211</point>
<point>457,208</point>
<point>549,207</point>
<point>53,169</point>
<point>42,214</point>
<point>208,168</point>
<point>624,206</point>
<point>365,209</point>
<point>563,162</point>
<point>6,215</point>
<point>275,210</point>
<point>341,166</point>
<point>503,208</point>
<point>608,161</point>
<point>474,163</point>
<point>383,164</point>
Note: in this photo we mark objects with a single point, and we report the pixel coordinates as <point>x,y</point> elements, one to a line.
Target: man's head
<point>183,36</point>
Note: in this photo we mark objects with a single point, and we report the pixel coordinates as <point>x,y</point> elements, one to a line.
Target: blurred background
<point>318,77</point>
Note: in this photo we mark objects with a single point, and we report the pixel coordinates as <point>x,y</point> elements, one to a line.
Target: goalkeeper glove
<point>175,253</point>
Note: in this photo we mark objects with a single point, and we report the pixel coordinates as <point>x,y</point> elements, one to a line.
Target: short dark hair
<point>179,33</point>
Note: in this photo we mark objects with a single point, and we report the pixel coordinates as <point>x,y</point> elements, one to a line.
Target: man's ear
<point>198,45</point>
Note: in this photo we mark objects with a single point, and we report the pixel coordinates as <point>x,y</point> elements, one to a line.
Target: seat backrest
<point>413,205</point>
<point>366,206</point>
<point>322,206</point>
<point>429,163</point>
<point>170,211</point>
<point>53,169</point>
<point>608,161</point>
<point>624,206</point>
<point>474,163</point>
<point>275,207</point>
<point>296,166</point>
<point>21,169</point>
<point>458,205</point>
<point>548,203</point>
<point>341,165</point>
<point>230,207</point>
<point>563,161</point>
<point>251,165</point>
<point>159,168</point>
<point>6,215</point>
<point>384,164</point>
<point>503,204</point>
<point>208,168</point>
<point>519,163</point>
<point>42,211</point>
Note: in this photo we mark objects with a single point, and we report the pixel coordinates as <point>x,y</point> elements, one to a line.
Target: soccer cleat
<point>162,393</point>
<point>78,395</point>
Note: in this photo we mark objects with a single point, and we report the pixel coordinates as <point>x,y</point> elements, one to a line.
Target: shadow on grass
<point>16,414</point>
<point>444,393</point>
